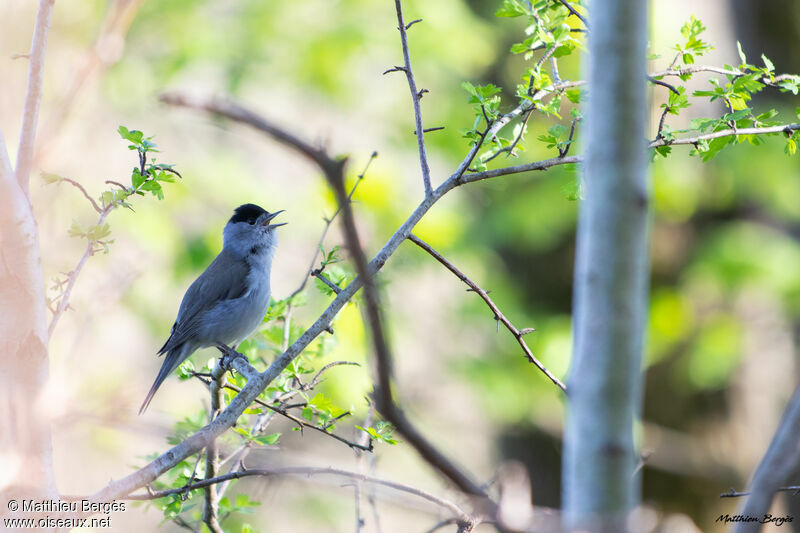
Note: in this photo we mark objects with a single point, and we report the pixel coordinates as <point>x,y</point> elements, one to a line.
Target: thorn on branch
<point>421,92</point>
<point>412,23</point>
<point>428,130</point>
<point>395,68</point>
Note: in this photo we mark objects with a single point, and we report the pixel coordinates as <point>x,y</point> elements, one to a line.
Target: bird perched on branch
<point>229,300</point>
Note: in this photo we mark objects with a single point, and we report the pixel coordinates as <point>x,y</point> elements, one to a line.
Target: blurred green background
<point>725,303</point>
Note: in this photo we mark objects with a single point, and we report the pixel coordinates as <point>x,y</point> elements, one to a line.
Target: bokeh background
<point>725,306</point>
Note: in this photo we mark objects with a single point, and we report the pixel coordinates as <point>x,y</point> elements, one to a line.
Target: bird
<point>228,301</point>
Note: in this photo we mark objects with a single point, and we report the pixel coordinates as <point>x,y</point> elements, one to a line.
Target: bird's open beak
<point>270,217</point>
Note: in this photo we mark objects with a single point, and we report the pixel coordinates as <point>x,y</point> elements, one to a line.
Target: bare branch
<point>733,493</point>
<point>210,499</point>
<point>258,382</point>
<point>85,194</point>
<point>575,12</point>
<point>72,278</point>
<point>781,459</point>
<point>238,113</point>
<point>562,152</point>
<point>661,121</point>
<point>328,222</point>
<point>309,472</point>
<point>517,169</point>
<point>317,273</point>
<point>27,136</point>
<point>383,392</point>
<point>415,98</point>
<point>299,421</point>
<point>106,49</point>
<point>672,88</point>
<point>499,316</point>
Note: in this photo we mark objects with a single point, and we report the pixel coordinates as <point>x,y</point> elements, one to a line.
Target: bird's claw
<point>229,355</point>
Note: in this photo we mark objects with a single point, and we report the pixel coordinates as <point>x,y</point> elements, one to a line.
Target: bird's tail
<point>173,358</point>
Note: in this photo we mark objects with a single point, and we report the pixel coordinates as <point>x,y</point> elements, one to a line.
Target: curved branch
<point>780,460</point>
<point>258,382</point>
<point>499,316</point>
<point>309,471</point>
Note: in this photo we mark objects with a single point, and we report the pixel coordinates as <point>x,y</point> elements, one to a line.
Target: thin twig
<point>415,98</point>
<point>672,88</point>
<point>85,194</point>
<point>317,273</point>
<point>299,421</point>
<point>257,383</point>
<point>499,316</point>
<point>575,12</point>
<point>733,493</point>
<point>661,122</point>
<point>328,222</point>
<point>72,278</point>
<point>384,400</point>
<point>563,152</point>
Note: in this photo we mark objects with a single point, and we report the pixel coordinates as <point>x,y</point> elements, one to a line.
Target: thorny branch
<point>368,447</point>
<point>72,277</point>
<point>308,472</point>
<point>499,316</point>
<point>575,12</point>
<point>383,397</point>
<point>415,97</point>
<point>257,382</point>
<point>328,222</point>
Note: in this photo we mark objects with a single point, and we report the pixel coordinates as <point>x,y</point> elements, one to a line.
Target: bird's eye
<point>251,221</point>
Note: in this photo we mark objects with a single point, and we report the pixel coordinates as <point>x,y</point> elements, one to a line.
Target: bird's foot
<point>229,355</point>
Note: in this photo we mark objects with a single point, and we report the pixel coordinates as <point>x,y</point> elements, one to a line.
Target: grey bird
<point>229,300</point>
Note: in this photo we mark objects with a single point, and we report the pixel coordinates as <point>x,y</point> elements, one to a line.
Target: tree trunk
<point>611,276</point>
<point>25,436</point>
<point>26,458</point>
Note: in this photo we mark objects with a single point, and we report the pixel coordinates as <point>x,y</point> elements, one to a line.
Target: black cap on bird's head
<point>251,213</point>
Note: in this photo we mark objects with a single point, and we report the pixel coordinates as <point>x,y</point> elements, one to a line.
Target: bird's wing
<point>224,279</point>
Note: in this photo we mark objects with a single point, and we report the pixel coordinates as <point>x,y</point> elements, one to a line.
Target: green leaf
<point>268,440</point>
<point>95,233</point>
<point>511,8</point>
<point>791,146</point>
<point>741,53</point>
<point>49,178</point>
<point>185,370</point>
<point>134,136</point>
<point>76,230</point>
<point>136,178</point>
<point>767,63</point>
